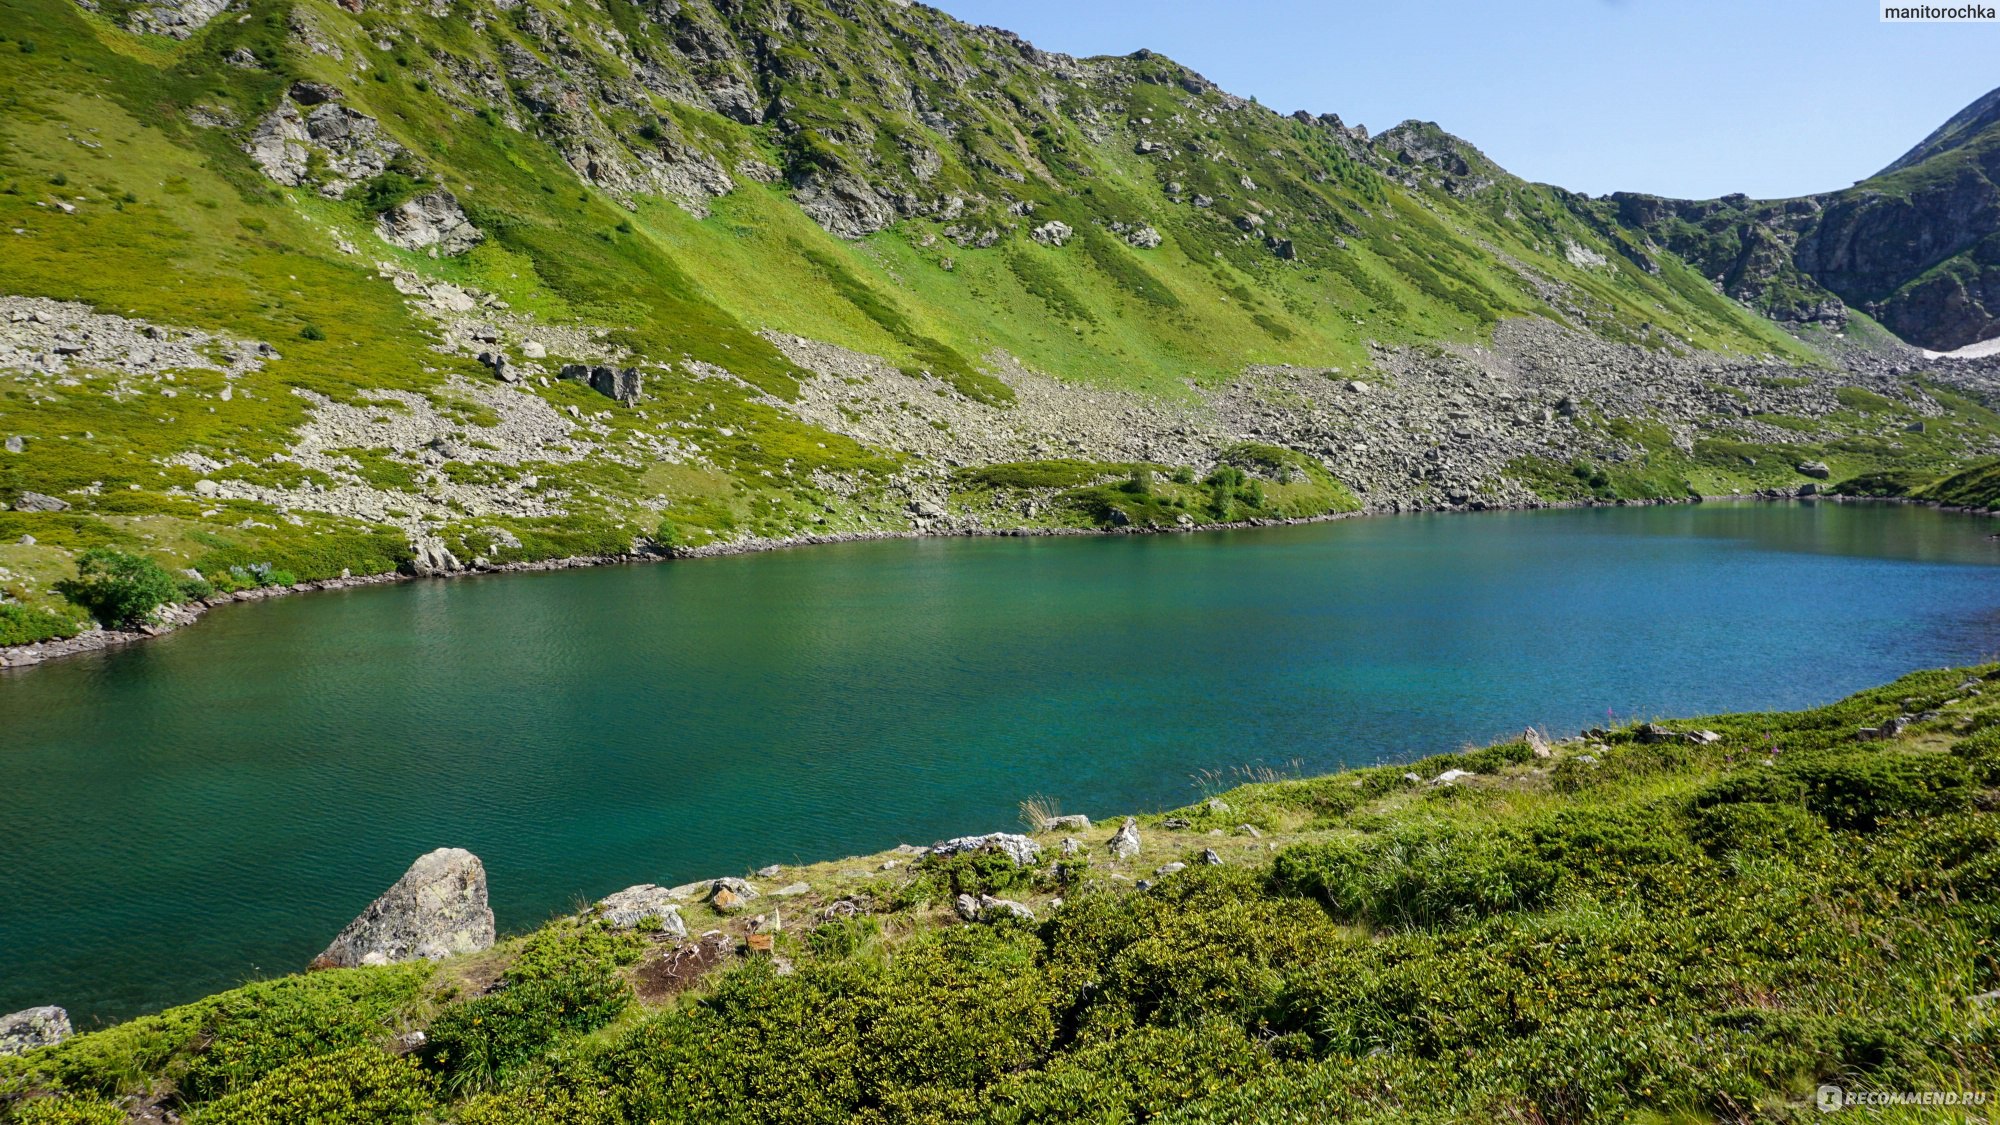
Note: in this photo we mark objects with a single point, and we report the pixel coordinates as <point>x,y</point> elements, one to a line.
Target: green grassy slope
<point>588,143</point>
<point>1643,925</point>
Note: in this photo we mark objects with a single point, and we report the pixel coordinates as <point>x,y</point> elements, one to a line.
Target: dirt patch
<point>666,972</point>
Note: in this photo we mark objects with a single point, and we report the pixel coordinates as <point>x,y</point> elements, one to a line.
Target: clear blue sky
<point>1691,98</point>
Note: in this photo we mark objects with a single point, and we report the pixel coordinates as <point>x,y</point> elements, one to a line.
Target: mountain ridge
<point>318,287</point>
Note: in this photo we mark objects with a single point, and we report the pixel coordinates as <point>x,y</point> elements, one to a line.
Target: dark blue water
<point>181,815</point>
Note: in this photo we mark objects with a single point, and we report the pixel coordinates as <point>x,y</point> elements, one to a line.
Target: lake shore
<point>181,616</point>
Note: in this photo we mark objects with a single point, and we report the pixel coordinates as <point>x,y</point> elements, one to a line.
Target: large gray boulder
<point>36,502</point>
<point>437,909</point>
<point>30,1028</point>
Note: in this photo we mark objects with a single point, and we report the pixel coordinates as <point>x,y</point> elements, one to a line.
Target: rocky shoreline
<point>177,617</point>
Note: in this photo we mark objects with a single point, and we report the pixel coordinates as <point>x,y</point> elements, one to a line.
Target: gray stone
<point>630,908</point>
<point>1451,777</point>
<point>30,1028</point>
<point>15,444</point>
<point>1169,868</point>
<point>1125,842</point>
<point>175,19</point>
<point>770,871</point>
<point>621,383</point>
<point>1210,857</point>
<point>1075,822</point>
<point>437,909</point>
<point>432,219</point>
<point>792,890</point>
<point>986,908</point>
<point>1055,232</point>
<point>1014,846</point>
<point>1818,470</point>
<point>36,502</point>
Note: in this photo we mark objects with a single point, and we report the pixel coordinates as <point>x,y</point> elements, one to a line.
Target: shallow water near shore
<point>185,814</point>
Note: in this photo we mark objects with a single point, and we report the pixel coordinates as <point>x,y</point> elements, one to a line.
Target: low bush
<point>354,1085</point>
<point>1860,790</point>
<point>565,984</point>
<point>1419,875</point>
<point>25,625</point>
<point>118,588</point>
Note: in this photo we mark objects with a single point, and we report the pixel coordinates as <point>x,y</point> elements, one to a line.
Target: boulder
<point>432,219</point>
<point>986,908</point>
<point>437,909</point>
<point>36,502</point>
<point>1019,848</point>
<point>630,908</point>
<point>621,383</point>
<point>1074,823</point>
<point>1055,232</point>
<point>1451,777</point>
<point>1818,470</point>
<point>313,93</point>
<point>1125,842</point>
<point>15,444</point>
<point>1210,857</point>
<point>30,1028</point>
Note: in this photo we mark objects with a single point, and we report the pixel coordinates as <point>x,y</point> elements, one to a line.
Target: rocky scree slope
<point>305,288</point>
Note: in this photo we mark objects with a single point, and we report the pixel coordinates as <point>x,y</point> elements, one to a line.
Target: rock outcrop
<point>1022,850</point>
<point>30,1028</point>
<point>175,19</point>
<point>634,907</point>
<point>328,144</point>
<point>432,221</point>
<point>437,909</point>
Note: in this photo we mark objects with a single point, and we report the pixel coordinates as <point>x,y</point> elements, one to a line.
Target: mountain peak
<point>1965,126</point>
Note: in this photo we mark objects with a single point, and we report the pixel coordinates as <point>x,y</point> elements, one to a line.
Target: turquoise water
<point>184,814</point>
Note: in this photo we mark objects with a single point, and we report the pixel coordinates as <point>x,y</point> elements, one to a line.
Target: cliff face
<point>1916,246</point>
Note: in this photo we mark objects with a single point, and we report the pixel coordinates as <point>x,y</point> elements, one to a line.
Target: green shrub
<point>475,1044</point>
<point>1758,785</point>
<point>69,1109</point>
<point>25,625</point>
<point>1861,790</point>
<point>563,949</point>
<point>986,872</point>
<point>1420,875</point>
<point>1981,755</point>
<point>843,937</point>
<point>1756,828</point>
<point>117,588</point>
<point>354,1085</point>
<point>253,1031</point>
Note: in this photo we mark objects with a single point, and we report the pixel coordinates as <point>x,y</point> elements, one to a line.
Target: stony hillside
<point>1712,920</point>
<point>1916,246</point>
<point>295,288</point>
